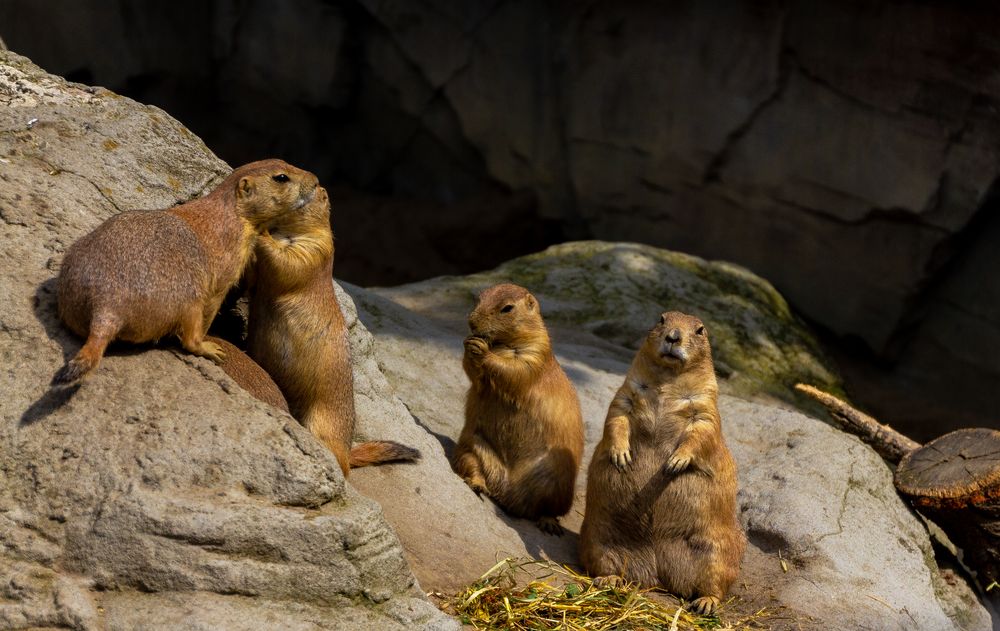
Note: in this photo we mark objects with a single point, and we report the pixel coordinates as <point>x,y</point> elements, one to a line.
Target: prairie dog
<point>661,487</point>
<point>298,334</point>
<point>146,274</point>
<point>523,435</point>
<point>249,375</point>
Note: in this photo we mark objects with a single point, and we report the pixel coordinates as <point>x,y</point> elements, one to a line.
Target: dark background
<point>846,151</point>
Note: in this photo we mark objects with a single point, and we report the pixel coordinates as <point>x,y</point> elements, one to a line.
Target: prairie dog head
<point>678,341</point>
<point>312,219</point>
<point>267,189</point>
<point>505,314</point>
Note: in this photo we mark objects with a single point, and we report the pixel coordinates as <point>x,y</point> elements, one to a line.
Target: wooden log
<point>954,481</point>
<point>886,441</point>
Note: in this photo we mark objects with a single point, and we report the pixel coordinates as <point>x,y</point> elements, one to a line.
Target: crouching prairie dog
<point>249,375</point>
<point>661,487</point>
<point>146,274</point>
<point>297,333</point>
<point>523,435</point>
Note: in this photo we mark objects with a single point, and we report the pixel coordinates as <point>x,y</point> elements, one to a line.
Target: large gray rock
<point>857,557</point>
<point>158,494</point>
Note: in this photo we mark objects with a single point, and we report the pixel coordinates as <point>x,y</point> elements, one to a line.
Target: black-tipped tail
<point>71,373</point>
<point>376,452</point>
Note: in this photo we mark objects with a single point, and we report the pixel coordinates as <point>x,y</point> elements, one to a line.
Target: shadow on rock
<point>47,313</point>
<point>541,545</point>
<point>48,403</point>
<point>559,548</point>
<point>447,442</point>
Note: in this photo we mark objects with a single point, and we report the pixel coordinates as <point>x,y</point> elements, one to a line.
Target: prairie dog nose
<point>674,335</point>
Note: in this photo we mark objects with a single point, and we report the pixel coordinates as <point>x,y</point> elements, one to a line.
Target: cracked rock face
<point>158,495</point>
<point>846,152</point>
<point>856,556</point>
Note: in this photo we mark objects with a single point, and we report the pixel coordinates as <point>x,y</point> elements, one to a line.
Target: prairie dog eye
<point>281,177</point>
<point>507,309</point>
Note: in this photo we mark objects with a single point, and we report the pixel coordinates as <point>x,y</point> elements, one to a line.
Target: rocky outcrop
<point>813,499</point>
<point>812,143</point>
<point>158,495</point>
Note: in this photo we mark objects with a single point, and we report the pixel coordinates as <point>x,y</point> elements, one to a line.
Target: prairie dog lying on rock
<point>146,274</point>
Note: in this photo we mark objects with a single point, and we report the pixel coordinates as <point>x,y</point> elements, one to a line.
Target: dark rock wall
<point>843,150</point>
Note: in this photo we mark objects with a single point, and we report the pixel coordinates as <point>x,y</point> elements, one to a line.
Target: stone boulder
<point>157,495</point>
<point>811,497</point>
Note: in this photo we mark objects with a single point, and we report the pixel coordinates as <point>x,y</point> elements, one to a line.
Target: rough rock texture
<point>158,494</point>
<point>846,151</point>
<point>857,557</point>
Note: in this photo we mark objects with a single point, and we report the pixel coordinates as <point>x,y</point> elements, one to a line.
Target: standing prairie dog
<point>523,435</point>
<point>298,334</point>
<point>661,488</point>
<point>146,274</point>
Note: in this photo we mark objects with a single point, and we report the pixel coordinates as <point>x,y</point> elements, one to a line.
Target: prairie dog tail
<point>102,331</point>
<point>376,452</point>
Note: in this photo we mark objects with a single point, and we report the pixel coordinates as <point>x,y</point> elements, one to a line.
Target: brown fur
<point>661,488</point>
<point>523,434</point>
<point>298,334</point>
<point>249,375</point>
<point>147,274</point>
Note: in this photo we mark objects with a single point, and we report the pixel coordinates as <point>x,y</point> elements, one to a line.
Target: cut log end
<point>959,469</point>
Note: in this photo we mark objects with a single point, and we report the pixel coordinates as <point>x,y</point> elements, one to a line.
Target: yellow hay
<point>556,597</point>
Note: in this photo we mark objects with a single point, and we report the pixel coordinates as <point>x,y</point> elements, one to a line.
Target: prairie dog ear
<point>530,302</point>
<point>245,189</point>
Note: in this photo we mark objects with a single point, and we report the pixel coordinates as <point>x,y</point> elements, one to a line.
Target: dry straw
<point>556,597</point>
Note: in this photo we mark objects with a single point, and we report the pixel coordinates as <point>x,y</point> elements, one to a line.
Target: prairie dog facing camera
<point>661,487</point>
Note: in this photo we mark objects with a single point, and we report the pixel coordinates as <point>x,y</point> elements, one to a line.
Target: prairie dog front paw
<point>621,456</point>
<point>476,346</point>
<point>678,462</point>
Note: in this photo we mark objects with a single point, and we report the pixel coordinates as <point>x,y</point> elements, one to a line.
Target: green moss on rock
<point>616,291</point>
